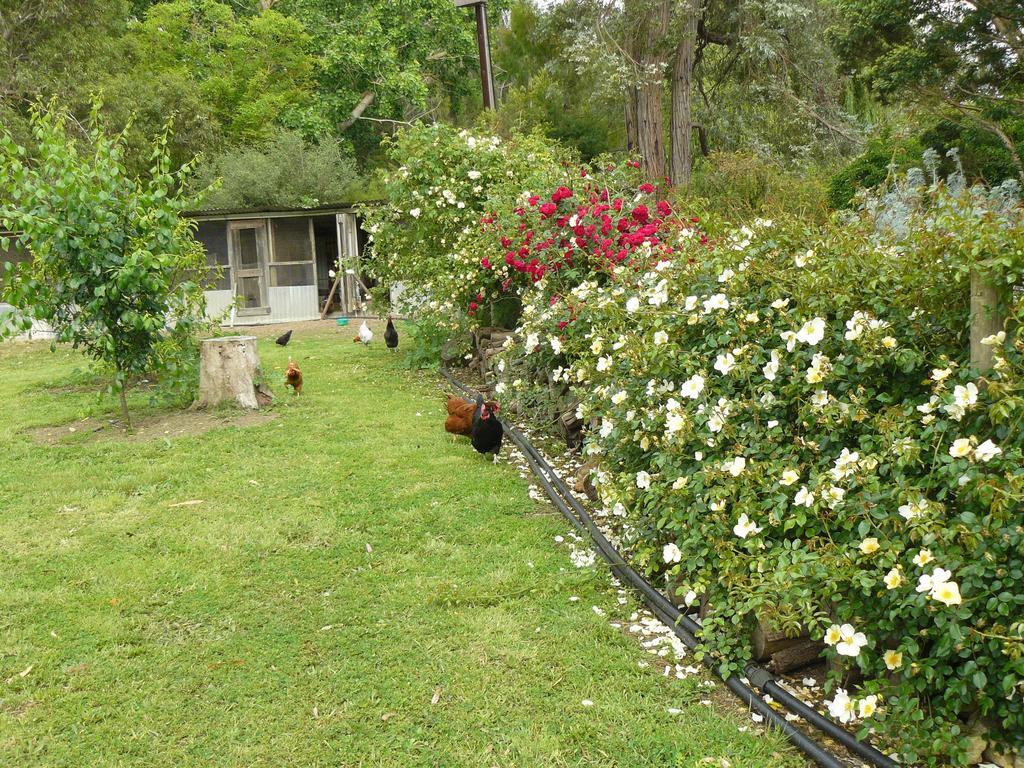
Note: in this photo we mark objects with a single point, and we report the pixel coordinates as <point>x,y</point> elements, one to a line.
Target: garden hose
<point>686,629</point>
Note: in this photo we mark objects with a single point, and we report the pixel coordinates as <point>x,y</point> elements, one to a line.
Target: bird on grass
<point>293,377</point>
<point>460,416</point>
<point>283,339</point>
<point>486,431</point>
<point>365,334</point>
<point>391,335</point>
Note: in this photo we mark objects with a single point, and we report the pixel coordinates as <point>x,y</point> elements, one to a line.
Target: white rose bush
<point>810,443</point>
<point>785,417</point>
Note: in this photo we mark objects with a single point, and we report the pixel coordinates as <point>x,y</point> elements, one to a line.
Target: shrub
<point>113,266</point>
<point>285,172</point>
<point>795,411</point>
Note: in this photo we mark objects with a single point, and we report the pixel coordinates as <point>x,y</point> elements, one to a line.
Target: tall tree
<point>966,57</point>
<point>647,24</point>
<point>383,64</point>
<point>681,128</point>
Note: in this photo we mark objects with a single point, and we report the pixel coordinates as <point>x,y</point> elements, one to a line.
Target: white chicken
<point>365,334</point>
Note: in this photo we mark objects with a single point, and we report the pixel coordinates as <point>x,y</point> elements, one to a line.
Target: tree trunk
<point>229,371</point>
<point>631,137</point>
<point>648,21</point>
<point>122,396</point>
<point>682,104</point>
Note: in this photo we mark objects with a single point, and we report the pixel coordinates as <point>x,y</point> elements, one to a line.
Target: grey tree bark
<point>229,371</point>
<point>648,22</point>
<point>681,130</point>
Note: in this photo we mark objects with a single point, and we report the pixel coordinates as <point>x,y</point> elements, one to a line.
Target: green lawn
<point>353,590</point>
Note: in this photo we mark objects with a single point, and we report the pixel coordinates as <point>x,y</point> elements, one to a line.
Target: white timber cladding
<point>348,259</point>
<point>281,284</point>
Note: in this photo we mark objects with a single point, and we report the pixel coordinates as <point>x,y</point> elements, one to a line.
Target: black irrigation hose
<point>686,628</point>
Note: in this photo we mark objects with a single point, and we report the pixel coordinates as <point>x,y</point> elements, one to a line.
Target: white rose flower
<point>474,175</point>
<point>771,368</point>
<point>804,497</point>
<point>789,477</point>
<point>556,344</point>
<point>893,578</point>
<point>811,332</point>
<point>532,342</point>
<point>692,387</point>
<point>867,706</point>
<point>820,398</point>
<point>961,447</point>
<point>987,451</point>
<point>604,363</point>
<point>735,466</point>
<point>619,397</point>
<point>607,425</point>
<point>995,339</point>
<point>940,374</point>
<point>725,363</point>
<point>660,337</point>
<point>850,641</point>
<point>643,480</point>
<point>633,305</point>
<point>415,213</point>
<point>841,706</point>
<point>965,395</point>
<point>718,301</point>
<point>670,553</point>
<point>922,558</point>
<point>745,527</point>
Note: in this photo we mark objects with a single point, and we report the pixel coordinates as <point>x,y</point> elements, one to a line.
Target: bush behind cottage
<point>789,423</point>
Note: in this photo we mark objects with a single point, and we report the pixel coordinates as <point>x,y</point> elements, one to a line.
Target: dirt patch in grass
<point>164,425</point>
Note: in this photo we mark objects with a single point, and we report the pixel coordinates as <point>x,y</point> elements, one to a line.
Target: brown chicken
<point>460,416</point>
<point>293,377</point>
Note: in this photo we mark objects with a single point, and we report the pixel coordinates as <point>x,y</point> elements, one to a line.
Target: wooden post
<point>334,287</point>
<point>986,319</point>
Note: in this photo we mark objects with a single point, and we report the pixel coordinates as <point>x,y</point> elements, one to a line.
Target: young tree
<point>114,267</point>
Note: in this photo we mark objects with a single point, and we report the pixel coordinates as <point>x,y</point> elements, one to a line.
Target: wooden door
<point>249,261</point>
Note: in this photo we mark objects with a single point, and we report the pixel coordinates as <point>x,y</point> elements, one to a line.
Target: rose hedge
<point>789,425</point>
<point>473,222</point>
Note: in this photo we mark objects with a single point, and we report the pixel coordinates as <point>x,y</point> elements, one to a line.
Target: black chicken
<point>284,338</point>
<point>391,335</point>
<point>486,432</point>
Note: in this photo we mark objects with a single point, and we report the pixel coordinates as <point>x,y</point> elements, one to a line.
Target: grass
<point>353,590</point>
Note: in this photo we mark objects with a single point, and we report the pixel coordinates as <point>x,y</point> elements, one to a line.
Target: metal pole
<point>486,74</point>
<point>484,47</point>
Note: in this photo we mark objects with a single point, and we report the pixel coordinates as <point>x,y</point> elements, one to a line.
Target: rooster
<point>460,416</point>
<point>486,431</point>
<point>283,339</point>
<point>391,335</point>
<point>293,377</point>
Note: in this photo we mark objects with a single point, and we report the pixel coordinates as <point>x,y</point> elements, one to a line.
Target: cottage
<point>272,265</point>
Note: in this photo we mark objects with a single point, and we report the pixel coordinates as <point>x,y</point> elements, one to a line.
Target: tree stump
<point>229,371</point>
